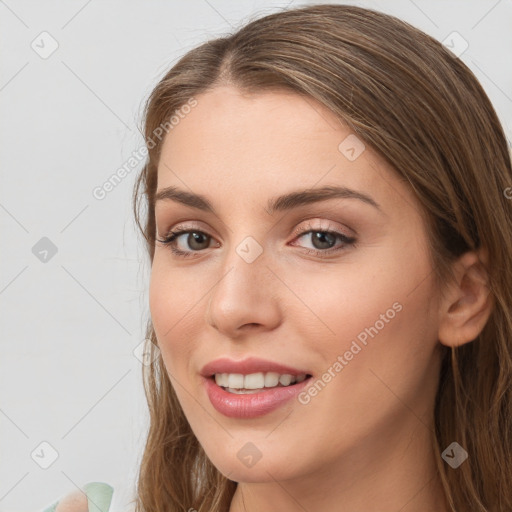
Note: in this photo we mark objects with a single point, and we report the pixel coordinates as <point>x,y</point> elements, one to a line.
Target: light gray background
<point>69,325</point>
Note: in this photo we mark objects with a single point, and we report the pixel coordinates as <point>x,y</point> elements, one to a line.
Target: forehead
<point>227,118</point>
<point>252,147</point>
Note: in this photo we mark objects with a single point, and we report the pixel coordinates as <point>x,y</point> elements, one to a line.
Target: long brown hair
<point>420,107</point>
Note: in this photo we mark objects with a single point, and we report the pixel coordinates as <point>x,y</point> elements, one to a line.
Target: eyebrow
<point>281,203</point>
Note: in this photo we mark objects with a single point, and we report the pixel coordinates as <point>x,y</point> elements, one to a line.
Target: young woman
<point>327,217</point>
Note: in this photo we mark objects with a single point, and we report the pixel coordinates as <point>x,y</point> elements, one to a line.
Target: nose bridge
<point>246,239</point>
<point>244,293</point>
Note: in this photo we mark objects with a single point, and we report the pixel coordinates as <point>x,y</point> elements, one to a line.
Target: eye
<point>324,239</point>
<point>196,240</point>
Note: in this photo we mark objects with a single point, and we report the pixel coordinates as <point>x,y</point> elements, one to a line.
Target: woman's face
<point>353,308</point>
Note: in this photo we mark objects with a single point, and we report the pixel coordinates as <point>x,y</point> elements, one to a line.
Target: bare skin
<point>364,441</point>
<point>75,501</point>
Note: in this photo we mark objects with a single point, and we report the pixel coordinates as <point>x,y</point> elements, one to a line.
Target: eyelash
<point>170,240</point>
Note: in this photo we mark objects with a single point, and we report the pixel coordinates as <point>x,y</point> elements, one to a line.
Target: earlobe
<point>467,302</point>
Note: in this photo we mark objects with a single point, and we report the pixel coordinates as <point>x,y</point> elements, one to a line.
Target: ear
<point>467,303</point>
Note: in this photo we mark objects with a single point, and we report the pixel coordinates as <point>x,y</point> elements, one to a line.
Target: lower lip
<point>251,405</point>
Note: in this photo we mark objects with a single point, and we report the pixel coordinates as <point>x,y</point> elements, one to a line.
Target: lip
<point>250,405</point>
<point>248,366</point>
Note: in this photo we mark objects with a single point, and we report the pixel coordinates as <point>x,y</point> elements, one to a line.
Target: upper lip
<point>248,366</point>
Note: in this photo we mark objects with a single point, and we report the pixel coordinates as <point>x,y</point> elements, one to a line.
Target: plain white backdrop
<point>73,273</point>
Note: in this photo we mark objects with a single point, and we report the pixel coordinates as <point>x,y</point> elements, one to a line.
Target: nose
<point>245,297</point>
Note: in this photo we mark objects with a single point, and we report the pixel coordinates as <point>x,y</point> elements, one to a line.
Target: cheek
<point>159,299</point>
<point>340,301</point>
<point>378,315</point>
<point>177,303</point>
<point>171,307</point>
<point>174,304</point>
<point>370,365</point>
<point>386,336</point>
<point>171,295</point>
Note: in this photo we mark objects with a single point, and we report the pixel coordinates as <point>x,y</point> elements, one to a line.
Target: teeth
<point>222,379</point>
<point>237,381</point>
<point>271,379</point>
<point>253,381</point>
<point>286,379</point>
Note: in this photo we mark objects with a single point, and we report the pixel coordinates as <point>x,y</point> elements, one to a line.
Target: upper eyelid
<point>181,229</point>
<point>183,226</point>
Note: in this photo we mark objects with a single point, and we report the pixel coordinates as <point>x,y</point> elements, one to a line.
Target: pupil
<point>321,238</point>
<point>195,238</point>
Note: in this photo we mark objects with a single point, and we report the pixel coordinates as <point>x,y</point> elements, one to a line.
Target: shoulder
<point>97,493</point>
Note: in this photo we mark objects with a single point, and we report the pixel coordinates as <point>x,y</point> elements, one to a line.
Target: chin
<point>262,471</point>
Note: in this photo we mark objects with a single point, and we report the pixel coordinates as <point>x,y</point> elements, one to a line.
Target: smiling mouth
<point>256,383</point>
